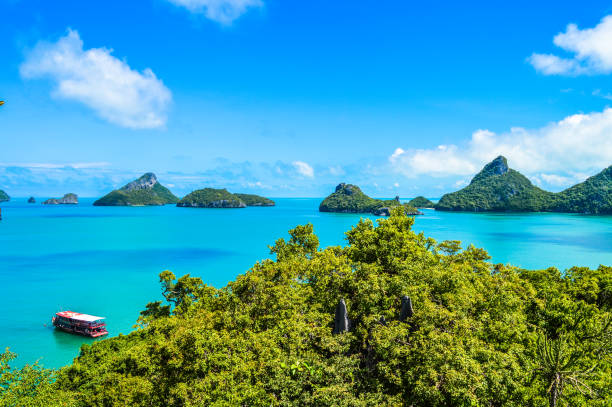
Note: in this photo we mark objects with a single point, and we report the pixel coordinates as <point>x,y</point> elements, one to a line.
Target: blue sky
<point>289,98</point>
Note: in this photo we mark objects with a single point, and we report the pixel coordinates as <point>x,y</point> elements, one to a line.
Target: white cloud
<point>303,169</point>
<point>78,166</point>
<point>336,170</point>
<point>599,93</point>
<point>101,81</point>
<point>461,183</point>
<point>592,49</point>
<point>438,162</point>
<point>558,180</point>
<point>559,152</point>
<point>223,11</point>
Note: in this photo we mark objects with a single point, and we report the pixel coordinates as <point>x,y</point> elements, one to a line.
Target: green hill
<point>143,191</point>
<point>421,202</point>
<point>4,197</point>
<point>255,200</point>
<point>348,198</point>
<point>497,188</point>
<point>393,318</point>
<point>211,198</point>
<point>591,196</point>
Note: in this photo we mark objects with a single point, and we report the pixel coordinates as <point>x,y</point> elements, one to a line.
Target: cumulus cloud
<point>99,80</point>
<point>557,153</point>
<point>303,169</point>
<point>222,11</point>
<point>592,49</point>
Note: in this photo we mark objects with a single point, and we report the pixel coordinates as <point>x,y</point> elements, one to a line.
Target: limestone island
<point>348,198</point>
<point>31,200</point>
<point>255,200</point>
<point>143,191</point>
<point>68,199</point>
<point>421,202</point>
<point>498,188</point>
<point>211,198</point>
<point>4,196</point>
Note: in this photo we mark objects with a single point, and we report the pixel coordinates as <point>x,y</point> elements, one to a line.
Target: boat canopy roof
<point>78,316</point>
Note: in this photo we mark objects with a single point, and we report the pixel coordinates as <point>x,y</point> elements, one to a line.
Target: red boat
<point>81,324</point>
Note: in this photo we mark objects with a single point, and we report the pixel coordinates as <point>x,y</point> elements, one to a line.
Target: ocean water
<point>106,260</point>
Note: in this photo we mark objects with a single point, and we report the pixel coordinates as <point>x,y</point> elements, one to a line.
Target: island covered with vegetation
<point>499,188</point>
<point>421,202</point>
<point>211,198</point>
<point>348,198</point>
<point>393,318</point>
<point>222,198</point>
<point>4,196</point>
<point>67,199</point>
<point>143,191</point>
<point>594,196</point>
<point>255,200</point>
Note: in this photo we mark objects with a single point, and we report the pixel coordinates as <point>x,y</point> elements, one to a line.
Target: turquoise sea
<point>105,260</point>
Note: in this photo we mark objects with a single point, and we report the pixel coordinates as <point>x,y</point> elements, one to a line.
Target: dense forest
<point>392,318</point>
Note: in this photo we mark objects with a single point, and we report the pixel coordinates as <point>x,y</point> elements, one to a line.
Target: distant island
<point>31,200</point>
<point>421,202</point>
<point>348,198</point>
<point>222,198</point>
<point>68,199</point>
<point>143,191</point>
<point>593,196</point>
<point>255,200</point>
<point>498,188</point>
<point>211,198</point>
<point>4,196</point>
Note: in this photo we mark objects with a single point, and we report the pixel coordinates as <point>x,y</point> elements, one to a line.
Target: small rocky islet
<point>67,199</point>
<point>4,196</point>
<point>31,200</point>
<point>349,198</point>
